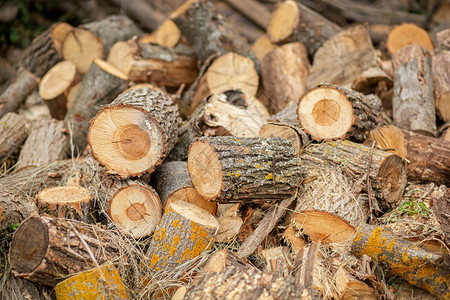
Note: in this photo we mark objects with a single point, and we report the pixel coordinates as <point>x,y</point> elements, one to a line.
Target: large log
<point>133,134</point>
<point>229,169</point>
<point>14,132</point>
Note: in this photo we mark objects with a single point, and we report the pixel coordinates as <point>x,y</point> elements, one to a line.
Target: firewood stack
<point>300,162</point>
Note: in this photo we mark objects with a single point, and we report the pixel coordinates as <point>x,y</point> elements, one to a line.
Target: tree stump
<point>14,132</point>
<point>133,134</point>
<point>229,169</point>
<point>330,112</point>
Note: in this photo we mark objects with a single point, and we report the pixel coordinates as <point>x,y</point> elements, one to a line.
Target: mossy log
<point>229,169</point>
<point>14,132</point>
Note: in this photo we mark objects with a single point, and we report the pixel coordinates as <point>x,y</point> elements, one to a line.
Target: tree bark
<point>294,134</point>
<point>14,208</point>
<point>441,80</point>
<point>14,132</point>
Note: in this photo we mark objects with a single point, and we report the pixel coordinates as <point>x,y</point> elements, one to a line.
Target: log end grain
<point>283,21</point>
<point>405,34</point>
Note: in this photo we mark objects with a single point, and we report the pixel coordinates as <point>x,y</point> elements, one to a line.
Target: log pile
<point>275,154</point>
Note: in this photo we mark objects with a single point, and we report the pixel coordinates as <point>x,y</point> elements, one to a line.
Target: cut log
<point>173,183</point>
<point>207,30</point>
<point>441,209</point>
<point>14,131</point>
<point>148,17</point>
<point>82,47</point>
<point>348,287</point>
<point>14,207</point>
<point>255,11</point>
<point>229,169</point>
<point>294,134</point>
<point>103,282</point>
<point>284,72</point>
<point>167,35</point>
<point>100,85</point>
<point>183,233</point>
<point>329,112</point>
<point>342,58</point>
<point>441,80</point>
<point>133,134</point>
<point>295,22</point>
<point>72,94</point>
<point>417,265</point>
<point>45,250</point>
<point>224,259</point>
<point>54,87</point>
<point>375,81</point>
<point>428,157</point>
<point>278,260</point>
<point>387,173</point>
<point>59,33</point>
<point>154,64</point>
<point>20,289</point>
<point>406,34</point>
<point>262,46</point>
<point>46,143</point>
<point>67,202</point>
<point>413,104</point>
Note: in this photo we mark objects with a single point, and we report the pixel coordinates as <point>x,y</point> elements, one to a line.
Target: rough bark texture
<point>229,169</point>
<point>45,250</point>
<point>13,133</point>
<point>441,80</point>
<point>441,209</point>
<point>294,134</point>
<point>20,289</point>
<point>97,88</point>
<point>409,260</point>
<point>14,207</point>
<point>413,102</point>
<point>46,143</point>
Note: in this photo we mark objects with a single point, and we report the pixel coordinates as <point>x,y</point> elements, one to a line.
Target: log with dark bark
<point>230,169</point>
<point>14,131</point>
<point>45,250</point>
<point>133,134</point>
<point>329,112</point>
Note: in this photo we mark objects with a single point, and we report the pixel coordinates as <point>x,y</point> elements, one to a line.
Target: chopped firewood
<point>443,39</point>
<point>133,134</point>
<point>348,287</point>
<point>277,260</point>
<point>375,81</point>
<point>441,209</point>
<point>295,241</point>
<point>173,183</point>
<point>14,207</point>
<point>295,22</point>
<point>229,227</point>
<point>14,131</point>
<point>224,259</point>
<point>59,32</point>
<point>441,81</point>
<point>72,94</point>
<point>183,233</point>
<point>329,112</point>
<point>229,169</point>
<point>413,102</point>
<point>294,134</point>
<point>102,282</point>
<point>284,72</point>
<point>406,34</point>
<point>167,35</point>
<point>428,158</point>
<point>417,265</point>
<point>45,250</point>
<point>262,46</point>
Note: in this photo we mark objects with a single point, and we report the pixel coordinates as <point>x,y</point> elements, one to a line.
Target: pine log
<point>413,104</point>
<point>68,202</point>
<point>417,265</point>
<point>54,87</point>
<point>386,173</point>
<point>284,72</point>
<point>329,112</point>
<point>45,250</point>
<point>173,183</point>
<point>229,169</point>
<point>133,134</point>
<point>405,34</point>
<point>207,30</point>
<point>441,80</point>
<point>441,209</point>
<point>14,131</point>
<point>342,58</point>
<point>183,233</point>
<point>295,22</point>
<point>294,134</point>
<point>46,143</point>
<point>100,85</point>
<point>262,46</point>
<point>154,64</point>
<point>14,207</point>
<point>428,158</point>
<point>167,35</point>
<point>103,282</point>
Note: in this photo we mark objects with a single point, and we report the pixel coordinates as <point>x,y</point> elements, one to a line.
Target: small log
<point>72,93</point>
<point>229,227</point>
<point>154,64</point>
<point>295,22</point>
<point>417,265</point>
<point>14,207</point>
<point>262,46</point>
<point>46,143</point>
<point>45,250</point>
<point>329,112</point>
<point>133,134</point>
<point>255,11</point>
<point>14,132</point>
<point>20,289</point>
<point>428,157</point>
<point>405,34</point>
<point>100,85</point>
<point>441,80</point>
<point>413,104</point>
<point>348,287</point>
<point>224,259</point>
<point>284,72</point>
<point>141,11</point>
<point>183,233</point>
<point>375,81</point>
<point>102,282</point>
<point>54,87</point>
<point>342,58</point>
<point>67,202</point>
<point>82,47</point>
<point>208,31</point>
<point>167,35</point>
<point>441,209</point>
<point>294,134</point>
<point>172,182</point>
<point>386,172</point>
<point>228,169</point>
